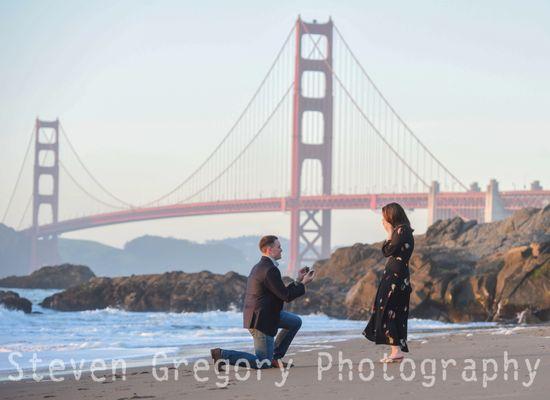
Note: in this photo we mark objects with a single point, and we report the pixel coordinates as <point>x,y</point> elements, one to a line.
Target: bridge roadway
<point>456,201</point>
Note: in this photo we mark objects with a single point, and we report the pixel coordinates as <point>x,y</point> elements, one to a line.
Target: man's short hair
<point>267,241</point>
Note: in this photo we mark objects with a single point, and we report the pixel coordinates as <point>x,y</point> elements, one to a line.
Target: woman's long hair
<point>395,215</point>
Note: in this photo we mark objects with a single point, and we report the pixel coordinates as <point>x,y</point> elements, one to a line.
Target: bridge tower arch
<point>44,250</point>
<point>311,226</point>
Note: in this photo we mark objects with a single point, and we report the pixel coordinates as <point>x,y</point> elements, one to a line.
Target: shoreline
<point>525,343</point>
<point>307,338</point>
<point>193,352</point>
<point>197,352</point>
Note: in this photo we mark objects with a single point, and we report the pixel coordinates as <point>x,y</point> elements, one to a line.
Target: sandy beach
<point>466,365</point>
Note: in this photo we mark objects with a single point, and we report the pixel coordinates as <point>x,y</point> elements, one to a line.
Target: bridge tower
<point>44,250</point>
<point>309,225</point>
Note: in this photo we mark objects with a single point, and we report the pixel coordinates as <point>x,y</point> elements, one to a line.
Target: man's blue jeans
<point>266,347</point>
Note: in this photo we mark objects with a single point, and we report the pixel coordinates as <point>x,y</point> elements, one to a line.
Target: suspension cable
<point>363,114</point>
<point>254,137</point>
<point>241,153</point>
<point>394,111</point>
<point>66,170</point>
<point>241,116</point>
<point>18,176</point>
<point>89,173</point>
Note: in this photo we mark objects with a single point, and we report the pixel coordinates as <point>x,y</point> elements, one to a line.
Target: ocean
<point>137,336</point>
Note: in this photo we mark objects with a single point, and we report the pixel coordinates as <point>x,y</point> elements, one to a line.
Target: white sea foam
<point>113,333</point>
<point>507,331</point>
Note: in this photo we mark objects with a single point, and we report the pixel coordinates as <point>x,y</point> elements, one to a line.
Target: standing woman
<point>390,311</point>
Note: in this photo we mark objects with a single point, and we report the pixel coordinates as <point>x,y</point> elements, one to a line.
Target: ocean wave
<point>41,347</point>
<point>6,314</point>
<point>113,332</point>
<point>418,324</point>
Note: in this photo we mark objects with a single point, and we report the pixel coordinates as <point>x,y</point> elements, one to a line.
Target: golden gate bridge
<point>317,135</point>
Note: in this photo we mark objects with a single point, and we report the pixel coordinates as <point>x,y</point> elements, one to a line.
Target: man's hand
<point>308,277</point>
<point>301,273</point>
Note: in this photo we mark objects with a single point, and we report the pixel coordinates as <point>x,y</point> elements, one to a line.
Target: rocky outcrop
<point>322,296</point>
<point>184,292</point>
<point>460,271</point>
<point>56,277</point>
<point>12,301</point>
<point>522,285</point>
<point>171,291</point>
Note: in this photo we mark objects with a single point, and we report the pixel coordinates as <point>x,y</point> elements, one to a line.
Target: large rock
<point>460,271</point>
<point>12,301</point>
<point>56,277</point>
<point>525,226</point>
<point>523,283</point>
<point>322,296</point>
<point>189,292</point>
<point>171,291</point>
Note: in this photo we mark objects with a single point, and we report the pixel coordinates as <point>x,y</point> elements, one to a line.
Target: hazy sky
<point>146,89</point>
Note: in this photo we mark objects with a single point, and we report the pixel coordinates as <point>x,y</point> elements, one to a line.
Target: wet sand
<point>437,367</point>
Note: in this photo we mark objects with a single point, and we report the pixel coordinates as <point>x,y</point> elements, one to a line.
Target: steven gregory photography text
<point>428,371</point>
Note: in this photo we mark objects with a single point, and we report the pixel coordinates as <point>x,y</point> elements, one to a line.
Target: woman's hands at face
<point>388,227</point>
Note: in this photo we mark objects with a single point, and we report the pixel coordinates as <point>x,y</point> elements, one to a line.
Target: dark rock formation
<point>12,301</point>
<point>460,271</point>
<point>171,291</point>
<point>56,277</point>
<point>322,296</point>
<point>184,292</point>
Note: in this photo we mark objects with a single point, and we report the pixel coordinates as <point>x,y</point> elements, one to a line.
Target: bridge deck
<point>474,201</point>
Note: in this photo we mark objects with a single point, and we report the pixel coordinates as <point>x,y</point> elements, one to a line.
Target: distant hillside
<point>153,254</point>
<point>14,252</point>
<point>143,255</point>
<point>248,245</point>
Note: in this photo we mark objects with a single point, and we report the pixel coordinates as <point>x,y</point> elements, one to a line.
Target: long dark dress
<point>390,311</point>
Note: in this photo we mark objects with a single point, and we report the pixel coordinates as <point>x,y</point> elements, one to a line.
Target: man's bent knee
<point>297,322</point>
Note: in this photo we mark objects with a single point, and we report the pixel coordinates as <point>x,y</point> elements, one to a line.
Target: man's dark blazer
<point>265,295</point>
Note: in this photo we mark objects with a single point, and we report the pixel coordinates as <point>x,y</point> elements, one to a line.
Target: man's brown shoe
<point>217,358</point>
<point>281,364</point>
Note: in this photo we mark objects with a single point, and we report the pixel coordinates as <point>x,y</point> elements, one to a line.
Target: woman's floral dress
<point>390,311</point>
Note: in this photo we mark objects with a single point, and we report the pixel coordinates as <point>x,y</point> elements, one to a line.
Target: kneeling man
<point>263,311</point>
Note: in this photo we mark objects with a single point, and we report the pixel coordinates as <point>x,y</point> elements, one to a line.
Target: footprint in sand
<point>136,396</point>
